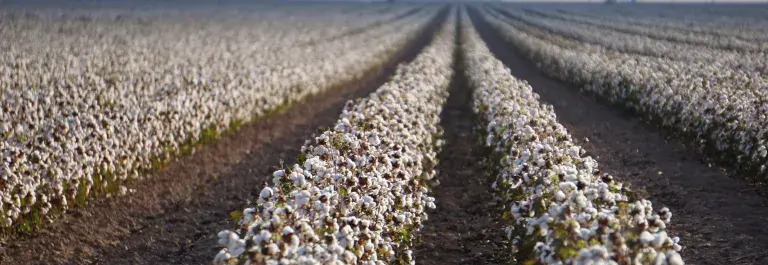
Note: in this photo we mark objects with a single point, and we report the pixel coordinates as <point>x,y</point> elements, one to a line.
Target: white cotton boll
<point>490,126</point>
<point>350,257</point>
<point>273,249</point>
<point>299,180</point>
<point>677,247</point>
<point>674,258</point>
<point>660,259</point>
<point>573,151</point>
<point>266,193</point>
<point>567,186</point>
<point>373,139</point>
<point>585,233</point>
<point>236,252</point>
<point>559,196</point>
<point>661,237</point>
<point>665,214</point>
<point>369,202</point>
<point>400,218</point>
<point>248,215</point>
<point>581,200</point>
<point>312,163</point>
<point>646,238</point>
<point>222,257</point>
<point>347,230</point>
<point>337,178</point>
<point>235,242</point>
<point>288,231</point>
<point>320,207</point>
<point>340,127</point>
<point>224,237</point>
<point>607,196</point>
<point>529,230</point>
<point>408,201</point>
<point>263,236</point>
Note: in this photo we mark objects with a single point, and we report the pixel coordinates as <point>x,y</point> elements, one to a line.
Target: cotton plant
<point>660,29</point>
<point>558,207</point>
<point>721,109</point>
<point>739,23</point>
<point>359,192</point>
<point>612,39</point>
<point>92,98</point>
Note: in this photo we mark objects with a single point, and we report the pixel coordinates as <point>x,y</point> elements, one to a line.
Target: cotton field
<point>383,133</point>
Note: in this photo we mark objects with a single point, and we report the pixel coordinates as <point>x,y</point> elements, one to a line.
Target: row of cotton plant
<point>383,17</point>
<point>85,112</point>
<point>723,111</point>
<point>559,208</point>
<point>745,22</point>
<point>365,18</point>
<point>657,32</point>
<point>643,45</point>
<point>359,192</point>
<point>307,24</point>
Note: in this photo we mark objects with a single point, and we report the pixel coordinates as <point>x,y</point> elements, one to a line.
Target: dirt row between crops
<point>464,228</point>
<point>720,219</point>
<point>174,216</point>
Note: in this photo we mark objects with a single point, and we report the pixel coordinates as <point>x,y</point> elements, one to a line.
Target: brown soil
<point>464,228</point>
<point>174,216</point>
<point>720,219</point>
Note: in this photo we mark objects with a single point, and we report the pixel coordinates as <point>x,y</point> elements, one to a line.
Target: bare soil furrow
<point>720,219</point>
<point>175,214</point>
<point>464,228</point>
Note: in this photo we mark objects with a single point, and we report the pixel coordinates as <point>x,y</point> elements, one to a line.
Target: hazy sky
<point>653,1</point>
<point>641,1</point>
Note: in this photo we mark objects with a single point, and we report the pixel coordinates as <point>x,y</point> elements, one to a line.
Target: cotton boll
<point>659,239</point>
<point>273,250</point>
<point>299,180</point>
<point>581,200</point>
<point>646,238</point>
<point>266,193</point>
<point>400,218</point>
<point>560,196</point>
<point>237,251</point>
<point>661,259</point>
<point>248,215</point>
<point>222,257</point>
<point>665,214</point>
<point>350,258</point>
<point>567,186</point>
<point>224,237</point>
<point>673,258</point>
